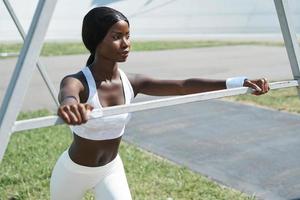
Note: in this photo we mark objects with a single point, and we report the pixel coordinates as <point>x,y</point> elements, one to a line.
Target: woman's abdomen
<point>93,153</point>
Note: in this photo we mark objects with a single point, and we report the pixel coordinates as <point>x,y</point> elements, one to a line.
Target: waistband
<point>70,164</point>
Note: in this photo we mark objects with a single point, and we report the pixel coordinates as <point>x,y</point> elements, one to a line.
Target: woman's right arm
<point>71,110</point>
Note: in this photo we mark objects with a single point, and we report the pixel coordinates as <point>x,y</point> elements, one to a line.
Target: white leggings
<point>70,181</point>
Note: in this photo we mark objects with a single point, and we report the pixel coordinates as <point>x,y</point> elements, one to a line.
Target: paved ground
<point>216,62</point>
<point>251,149</point>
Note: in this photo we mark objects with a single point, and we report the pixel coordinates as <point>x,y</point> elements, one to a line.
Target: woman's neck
<point>103,70</point>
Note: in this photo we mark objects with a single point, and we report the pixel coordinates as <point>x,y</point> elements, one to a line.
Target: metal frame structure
<point>22,74</point>
<point>40,67</point>
<point>289,36</point>
<point>29,56</point>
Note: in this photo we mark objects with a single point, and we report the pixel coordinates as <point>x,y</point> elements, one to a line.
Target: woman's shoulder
<point>75,78</point>
<point>135,81</point>
<point>78,82</point>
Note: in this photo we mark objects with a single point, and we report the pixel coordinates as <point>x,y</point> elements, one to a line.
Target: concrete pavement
<point>253,150</point>
<point>214,62</point>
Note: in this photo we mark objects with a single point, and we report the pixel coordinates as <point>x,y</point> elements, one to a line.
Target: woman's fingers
<point>74,114</point>
<point>83,113</point>
<point>63,115</point>
<point>251,84</point>
<point>260,86</point>
<point>77,114</point>
<point>266,86</point>
<point>71,115</point>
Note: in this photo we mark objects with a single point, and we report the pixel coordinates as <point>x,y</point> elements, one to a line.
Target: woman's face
<point>116,44</point>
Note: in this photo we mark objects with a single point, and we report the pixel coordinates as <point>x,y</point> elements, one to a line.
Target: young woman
<point>92,160</point>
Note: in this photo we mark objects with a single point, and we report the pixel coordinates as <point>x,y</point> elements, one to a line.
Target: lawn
<point>282,99</point>
<point>57,48</point>
<point>31,155</point>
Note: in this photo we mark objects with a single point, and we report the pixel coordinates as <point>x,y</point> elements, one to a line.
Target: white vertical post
<point>22,74</point>
<point>289,36</point>
<point>41,68</point>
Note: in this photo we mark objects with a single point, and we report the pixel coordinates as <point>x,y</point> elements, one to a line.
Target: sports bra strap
<point>127,86</point>
<point>93,94</point>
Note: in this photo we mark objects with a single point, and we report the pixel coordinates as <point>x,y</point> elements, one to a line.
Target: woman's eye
<point>116,37</point>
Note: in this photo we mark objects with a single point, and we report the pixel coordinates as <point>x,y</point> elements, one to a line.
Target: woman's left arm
<point>159,87</point>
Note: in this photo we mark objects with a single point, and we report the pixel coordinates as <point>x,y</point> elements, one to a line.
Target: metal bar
<point>41,68</point>
<point>146,105</point>
<point>22,74</point>
<point>289,36</point>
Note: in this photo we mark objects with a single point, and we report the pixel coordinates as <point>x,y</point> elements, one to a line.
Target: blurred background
<point>161,19</point>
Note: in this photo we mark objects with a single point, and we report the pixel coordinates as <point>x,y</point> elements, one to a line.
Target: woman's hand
<point>260,86</point>
<point>74,114</point>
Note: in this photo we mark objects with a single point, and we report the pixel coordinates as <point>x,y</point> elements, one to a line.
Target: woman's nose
<point>125,42</point>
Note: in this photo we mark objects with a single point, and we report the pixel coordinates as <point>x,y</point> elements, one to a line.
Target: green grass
<point>31,155</point>
<point>49,49</point>
<point>283,99</point>
<point>163,45</point>
<point>58,48</point>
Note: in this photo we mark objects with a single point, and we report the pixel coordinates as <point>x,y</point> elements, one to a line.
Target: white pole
<point>22,74</point>
<point>41,68</point>
<point>146,105</point>
<point>289,36</point>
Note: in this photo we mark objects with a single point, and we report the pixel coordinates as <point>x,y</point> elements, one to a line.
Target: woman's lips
<point>124,53</point>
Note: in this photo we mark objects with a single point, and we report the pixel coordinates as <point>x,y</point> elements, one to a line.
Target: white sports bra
<point>103,128</point>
